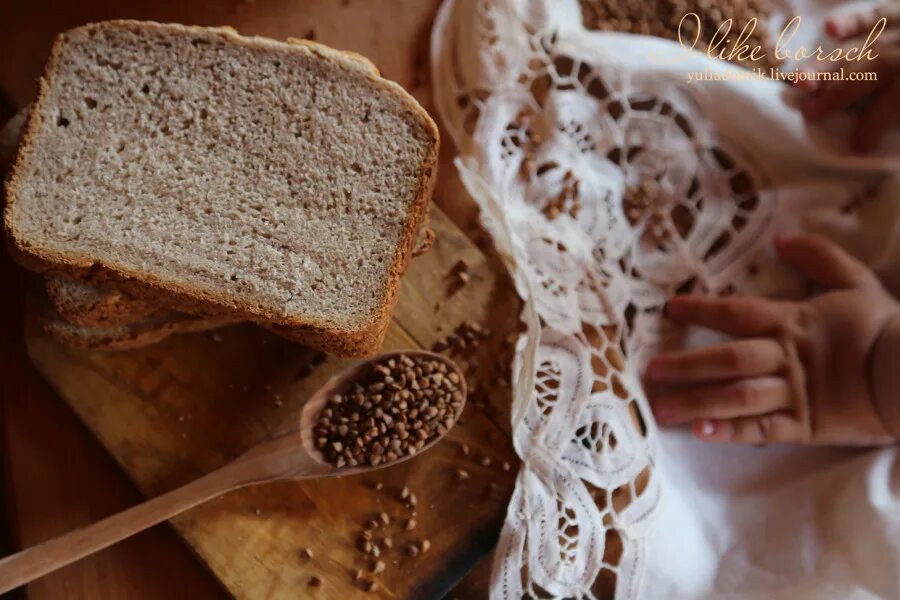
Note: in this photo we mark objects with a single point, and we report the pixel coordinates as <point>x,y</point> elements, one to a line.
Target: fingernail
<point>705,428</point>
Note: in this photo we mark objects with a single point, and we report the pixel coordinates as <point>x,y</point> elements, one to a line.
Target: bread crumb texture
<point>277,175</point>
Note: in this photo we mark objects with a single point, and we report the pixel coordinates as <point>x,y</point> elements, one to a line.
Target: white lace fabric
<point>608,185</point>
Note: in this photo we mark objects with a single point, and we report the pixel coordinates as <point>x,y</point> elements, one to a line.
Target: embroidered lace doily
<point>606,189</point>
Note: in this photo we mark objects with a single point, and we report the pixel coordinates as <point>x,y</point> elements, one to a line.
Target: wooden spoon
<point>288,454</point>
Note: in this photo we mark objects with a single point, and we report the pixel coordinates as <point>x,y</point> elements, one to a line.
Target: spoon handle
<point>31,563</point>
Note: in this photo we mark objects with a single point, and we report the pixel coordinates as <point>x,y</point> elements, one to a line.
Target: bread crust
<point>342,341</point>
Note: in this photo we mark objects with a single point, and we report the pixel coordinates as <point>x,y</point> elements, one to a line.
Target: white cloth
<point>543,113</point>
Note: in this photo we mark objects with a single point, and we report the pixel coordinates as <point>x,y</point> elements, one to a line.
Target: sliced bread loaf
<point>276,182</point>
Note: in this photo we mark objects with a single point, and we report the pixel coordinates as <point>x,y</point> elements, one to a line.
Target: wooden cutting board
<point>176,410</point>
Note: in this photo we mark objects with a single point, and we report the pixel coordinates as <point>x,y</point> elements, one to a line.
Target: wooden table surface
<point>55,475</point>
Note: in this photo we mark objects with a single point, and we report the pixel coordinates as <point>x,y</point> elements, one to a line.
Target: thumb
<point>822,261</point>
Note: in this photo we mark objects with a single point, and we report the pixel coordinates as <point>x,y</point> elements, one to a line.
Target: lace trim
<point>606,192</point>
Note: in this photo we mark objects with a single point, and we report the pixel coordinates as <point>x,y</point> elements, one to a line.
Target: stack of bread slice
<point>175,178</point>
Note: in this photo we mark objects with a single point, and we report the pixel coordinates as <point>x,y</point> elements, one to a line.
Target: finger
<point>815,78</point>
<point>742,398</point>
<point>774,427</point>
<point>822,80</point>
<point>880,116</point>
<point>735,315</point>
<point>741,358</point>
<point>807,82</point>
<point>822,261</point>
<point>845,26</point>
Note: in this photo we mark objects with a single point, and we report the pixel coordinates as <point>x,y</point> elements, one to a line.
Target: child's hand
<point>880,97</point>
<point>798,372</point>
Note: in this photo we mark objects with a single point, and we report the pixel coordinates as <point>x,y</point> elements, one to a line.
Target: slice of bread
<point>122,336</point>
<point>87,305</point>
<point>82,314</point>
<point>275,182</point>
<point>127,336</point>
